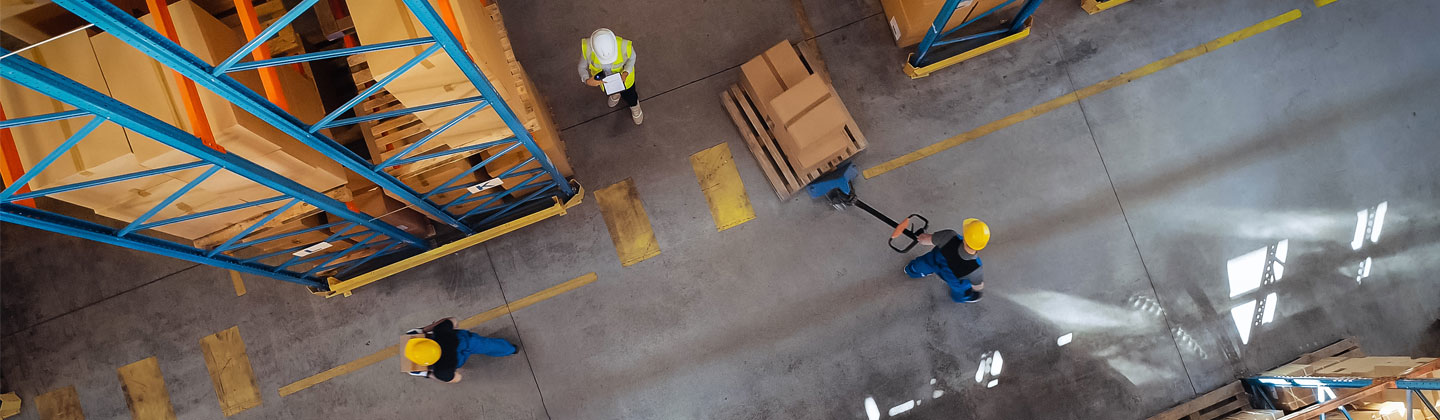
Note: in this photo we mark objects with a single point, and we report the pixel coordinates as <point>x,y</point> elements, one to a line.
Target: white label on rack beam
<point>895,28</point>
<point>312,249</point>
<point>488,184</point>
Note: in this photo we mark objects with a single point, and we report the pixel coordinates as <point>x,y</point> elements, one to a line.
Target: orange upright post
<point>12,169</point>
<point>250,22</point>
<point>193,108</point>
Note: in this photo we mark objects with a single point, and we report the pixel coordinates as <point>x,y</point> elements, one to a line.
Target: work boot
<point>614,100</point>
<point>637,114</point>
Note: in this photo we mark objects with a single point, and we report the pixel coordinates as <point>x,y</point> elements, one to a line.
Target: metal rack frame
<point>920,63</point>
<point>544,183</point>
<point>1326,400</point>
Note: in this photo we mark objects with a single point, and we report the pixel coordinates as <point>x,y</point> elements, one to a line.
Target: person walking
<point>602,55</point>
<point>954,259</point>
<point>437,350</point>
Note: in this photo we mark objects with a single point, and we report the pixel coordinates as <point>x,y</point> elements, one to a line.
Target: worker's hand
<point>592,82</point>
<point>415,331</point>
<point>978,287</point>
<point>624,75</point>
<point>924,239</point>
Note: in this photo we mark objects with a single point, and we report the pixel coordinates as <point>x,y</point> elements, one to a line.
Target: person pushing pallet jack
<point>953,257</point>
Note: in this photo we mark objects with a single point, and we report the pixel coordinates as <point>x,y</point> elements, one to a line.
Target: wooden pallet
<point>1227,400</point>
<point>783,176</point>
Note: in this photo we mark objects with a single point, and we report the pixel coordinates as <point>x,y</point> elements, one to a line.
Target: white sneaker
<point>637,114</point>
<point>614,100</point>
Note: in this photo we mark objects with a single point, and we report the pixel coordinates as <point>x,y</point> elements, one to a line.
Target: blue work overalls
<point>933,263</point>
<point>472,343</point>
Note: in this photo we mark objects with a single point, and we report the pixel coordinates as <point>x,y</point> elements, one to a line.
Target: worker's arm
<point>977,278</point>
<point>585,76</point>
<point>937,239</point>
<point>431,327</point>
<point>630,62</point>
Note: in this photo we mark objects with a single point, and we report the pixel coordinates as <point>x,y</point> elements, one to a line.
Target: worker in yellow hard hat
<point>607,61</point>
<point>437,350</point>
<point>954,259</point>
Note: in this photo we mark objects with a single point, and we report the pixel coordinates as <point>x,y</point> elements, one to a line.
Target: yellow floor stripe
<point>629,225</point>
<point>60,404</point>
<point>1323,3</point>
<point>230,371</point>
<point>715,169</point>
<point>467,323</point>
<point>238,282</point>
<point>1086,92</point>
<point>145,391</point>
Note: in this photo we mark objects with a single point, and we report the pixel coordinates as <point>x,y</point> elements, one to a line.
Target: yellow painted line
<point>1086,92</point>
<point>344,288</point>
<point>230,371</point>
<point>1323,3</point>
<point>238,282</point>
<point>145,391</point>
<point>629,225</point>
<point>60,404</point>
<point>467,323</point>
<point>715,170</point>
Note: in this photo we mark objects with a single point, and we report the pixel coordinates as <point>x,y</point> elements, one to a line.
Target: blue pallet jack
<point>836,189</point>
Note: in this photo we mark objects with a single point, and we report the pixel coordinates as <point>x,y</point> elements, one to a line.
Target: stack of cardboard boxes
<point>787,102</point>
<point>437,79</point>
<point>1378,406</point>
<point>106,64</point>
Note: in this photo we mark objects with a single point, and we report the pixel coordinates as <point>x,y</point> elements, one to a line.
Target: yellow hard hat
<point>422,351</point>
<point>976,233</point>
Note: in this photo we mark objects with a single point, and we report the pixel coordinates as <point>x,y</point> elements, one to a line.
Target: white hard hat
<point>602,42</point>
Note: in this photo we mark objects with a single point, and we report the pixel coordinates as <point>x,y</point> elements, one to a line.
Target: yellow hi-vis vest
<point>594,64</point>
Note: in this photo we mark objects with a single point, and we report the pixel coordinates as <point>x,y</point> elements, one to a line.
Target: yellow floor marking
<point>1088,91</point>
<point>238,282</point>
<point>629,225</point>
<point>230,371</point>
<point>1323,3</point>
<point>715,169</point>
<point>467,323</point>
<point>9,405</point>
<point>60,404</point>
<point>145,391</point>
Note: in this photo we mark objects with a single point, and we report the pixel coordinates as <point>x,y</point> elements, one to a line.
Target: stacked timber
<point>438,79</point>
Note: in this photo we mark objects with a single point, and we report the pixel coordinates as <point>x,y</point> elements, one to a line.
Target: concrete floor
<point>1114,220</point>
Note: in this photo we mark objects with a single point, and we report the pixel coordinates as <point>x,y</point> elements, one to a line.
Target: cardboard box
<point>909,19</point>
<point>1372,366</point>
<point>389,210</point>
<point>810,123</point>
<point>437,78</point>
<point>772,73</point>
<point>104,152</point>
<point>148,86</point>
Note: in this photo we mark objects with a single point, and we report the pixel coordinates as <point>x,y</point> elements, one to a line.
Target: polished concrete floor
<point>1119,222</point>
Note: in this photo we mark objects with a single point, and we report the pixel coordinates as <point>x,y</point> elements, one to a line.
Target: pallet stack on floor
<point>437,79</point>
<point>791,118</point>
<point>1342,359</point>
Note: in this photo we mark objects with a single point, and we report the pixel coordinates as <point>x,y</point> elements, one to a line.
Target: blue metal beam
<point>108,180</point>
<point>52,156</point>
<point>26,216</point>
<point>380,84</point>
<point>327,54</point>
<point>26,73</point>
<point>65,115</point>
<point>437,28</point>
<point>264,35</point>
<point>110,18</point>
<point>399,112</point>
<point>434,133</point>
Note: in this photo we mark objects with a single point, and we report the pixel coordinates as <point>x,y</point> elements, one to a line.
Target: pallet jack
<point>835,187</point>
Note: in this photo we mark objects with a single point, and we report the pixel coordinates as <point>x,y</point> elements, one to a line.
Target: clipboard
<point>613,83</point>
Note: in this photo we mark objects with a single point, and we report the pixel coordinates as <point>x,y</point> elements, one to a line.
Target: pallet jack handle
<point>911,227</point>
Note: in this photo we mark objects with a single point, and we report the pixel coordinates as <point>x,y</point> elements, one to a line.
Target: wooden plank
<point>60,404</point>
<point>768,168</point>
<point>767,142</point>
<point>1229,408</point>
<point>723,188</point>
<point>628,223</point>
<point>238,282</point>
<point>1199,403</point>
<point>145,391</point>
<point>230,371</point>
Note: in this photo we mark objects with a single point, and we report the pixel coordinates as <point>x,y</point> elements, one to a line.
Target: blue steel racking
<point>374,236</point>
<point>1322,386</point>
<point>921,64</point>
